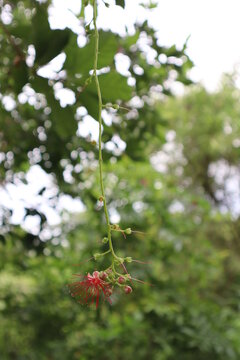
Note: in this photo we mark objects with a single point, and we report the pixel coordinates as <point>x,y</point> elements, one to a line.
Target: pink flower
<point>90,288</point>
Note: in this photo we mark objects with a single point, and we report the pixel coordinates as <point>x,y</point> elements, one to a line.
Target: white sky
<point>213,26</point>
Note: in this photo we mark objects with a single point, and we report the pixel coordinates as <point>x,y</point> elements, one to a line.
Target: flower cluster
<point>89,288</point>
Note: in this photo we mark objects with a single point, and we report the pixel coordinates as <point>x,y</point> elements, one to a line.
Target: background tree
<point>162,160</point>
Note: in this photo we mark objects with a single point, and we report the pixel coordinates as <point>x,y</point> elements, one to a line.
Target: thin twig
<point>15,47</point>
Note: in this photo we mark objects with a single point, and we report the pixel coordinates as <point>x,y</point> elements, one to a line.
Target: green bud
<point>119,261</point>
<point>97,256</point>
<point>128,259</point>
<point>105,240</point>
<point>128,231</point>
<point>115,106</point>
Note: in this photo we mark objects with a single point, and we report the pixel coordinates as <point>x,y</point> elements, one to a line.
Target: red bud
<point>128,289</point>
<point>103,275</point>
<point>121,280</point>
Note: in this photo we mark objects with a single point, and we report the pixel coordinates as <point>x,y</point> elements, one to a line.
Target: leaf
<point>41,29</point>
<point>80,60</point>
<point>120,3</point>
<point>90,101</point>
<point>19,73</point>
<point>130,40</point>
<point>48,43</point>
<point>62,118</point>
<point>113,87</point>
<point>40,85</point>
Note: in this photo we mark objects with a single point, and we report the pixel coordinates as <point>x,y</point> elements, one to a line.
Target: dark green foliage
<point>48,43</point>
<point>120,3</point>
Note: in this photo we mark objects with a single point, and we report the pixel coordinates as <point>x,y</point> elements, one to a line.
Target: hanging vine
<point>88,289</point>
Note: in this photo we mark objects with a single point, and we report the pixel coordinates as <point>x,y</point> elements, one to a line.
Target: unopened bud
<point>128,231</point>
<point>93,142</point>
<point>101,198</point>
<point>128,289</point>
<point>105,240</point>
<point>115,106</point>
<point>96,273</point>
<point>121,280</point>
<point>128,259</point>
<point>96,256</point>
<point>119,261</point>
<point>103,275</point>
<point>108,292</point>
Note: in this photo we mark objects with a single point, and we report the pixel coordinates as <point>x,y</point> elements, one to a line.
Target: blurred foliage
<point>163,184</point>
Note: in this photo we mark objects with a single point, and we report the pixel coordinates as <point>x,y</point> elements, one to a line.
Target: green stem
<point>100,106</point>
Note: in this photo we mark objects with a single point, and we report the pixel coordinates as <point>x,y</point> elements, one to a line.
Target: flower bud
<point>108,292</point>
<point>128,259</point>
<point>128,231</point>
<point>119,261</point>
<point>101,199</point>
<point>121,280</point>
<point>105,240</point>
<point>96,256</point>
<point>96,274</point>
<point>93,142</point>
<point>128,289</point>
<point>103,275</point>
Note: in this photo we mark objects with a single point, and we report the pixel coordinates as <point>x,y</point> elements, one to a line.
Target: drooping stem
<point>100,106</point>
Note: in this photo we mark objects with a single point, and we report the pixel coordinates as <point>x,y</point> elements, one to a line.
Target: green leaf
<point>40,85</point>
<point>113,87</point>
<point>89,99</point>
<point>80,60</point>
<point>19,73</point>
<point>62,118</point>
<point>48,43</point>
<point>120,3</point>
